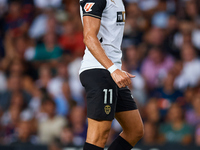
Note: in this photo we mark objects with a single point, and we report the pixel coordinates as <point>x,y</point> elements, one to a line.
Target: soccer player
<point>108,96</point>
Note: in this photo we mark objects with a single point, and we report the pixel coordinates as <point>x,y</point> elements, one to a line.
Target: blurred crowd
<point>41,48</point>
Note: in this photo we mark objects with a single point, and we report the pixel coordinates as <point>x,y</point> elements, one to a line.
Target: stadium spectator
<point>24,134</point>
<point>48,50</point>
<point>155,36</point>
<point>64,101</point>
<point>9,121</point>
<point>167,94</point>
<point>50,128</point>
<point>151,111</point>
<point>197,136</point>
<point>3,7</point>
<point>79,128</point>
<point>47,3</point>
<point>45,76</point>
<point>192,115</point>
<point>156,66</point>
<point>190,74</point>
<point>151,135</point>
<point>168,91</point>
<point>66,138</point>
<point>14,86</point>
<point>15,20</point>
<point>3,84</point>
<point>55,84</point>
<point>176,130</point>
<point>74,81</point>
<point>71,40</point>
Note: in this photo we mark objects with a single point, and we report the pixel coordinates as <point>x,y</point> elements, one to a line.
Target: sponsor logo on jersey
<point>121,16</point>
<point>88,7</point>
<point>107,109</point>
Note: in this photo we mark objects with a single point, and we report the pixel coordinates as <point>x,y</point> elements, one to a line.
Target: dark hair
<point>157,48</point>
<point>46,100</point>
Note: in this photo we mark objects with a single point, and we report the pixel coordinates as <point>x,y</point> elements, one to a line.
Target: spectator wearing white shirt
<point>3,6</point>
<point>3,85</point>
<point>190,74</point>
<point>47,3</point>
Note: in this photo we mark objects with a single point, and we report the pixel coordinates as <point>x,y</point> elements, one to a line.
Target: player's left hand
<point>122,78</point>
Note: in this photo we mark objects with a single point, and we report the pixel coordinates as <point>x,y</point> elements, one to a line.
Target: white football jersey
<point>112,15</point>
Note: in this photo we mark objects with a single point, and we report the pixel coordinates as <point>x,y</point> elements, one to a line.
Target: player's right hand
<point>122,78</point>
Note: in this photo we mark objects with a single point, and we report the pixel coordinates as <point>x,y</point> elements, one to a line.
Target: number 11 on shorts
<point>106,95</point>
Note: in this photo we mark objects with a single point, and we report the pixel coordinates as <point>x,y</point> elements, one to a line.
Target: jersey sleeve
<point>93,8</point>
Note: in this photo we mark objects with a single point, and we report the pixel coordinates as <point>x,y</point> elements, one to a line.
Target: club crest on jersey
<point>88,7</point>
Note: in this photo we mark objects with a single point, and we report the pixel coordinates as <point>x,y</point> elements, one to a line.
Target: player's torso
<point>112,24</point>
<point>110,35</point>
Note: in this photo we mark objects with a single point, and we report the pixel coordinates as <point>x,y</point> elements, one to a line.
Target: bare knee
<point>139,133</point>
<point>98,132</point>
<point>133,135</point>
<point>98,138</point>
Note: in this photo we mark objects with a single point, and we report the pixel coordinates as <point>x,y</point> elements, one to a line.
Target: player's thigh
<point>98,132</point>
<point>131,123</point>
<point>128,115</point>
<point>101,94</point>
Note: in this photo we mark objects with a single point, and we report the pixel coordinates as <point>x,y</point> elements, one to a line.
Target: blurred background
<point>41,46</point>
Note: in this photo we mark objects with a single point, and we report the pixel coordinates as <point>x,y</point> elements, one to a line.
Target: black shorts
<point>104,98</point>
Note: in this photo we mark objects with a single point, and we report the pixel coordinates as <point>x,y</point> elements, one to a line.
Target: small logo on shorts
<point>107,109</point>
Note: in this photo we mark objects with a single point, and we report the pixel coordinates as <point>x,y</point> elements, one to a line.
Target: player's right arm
<point>91,26</point>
